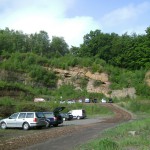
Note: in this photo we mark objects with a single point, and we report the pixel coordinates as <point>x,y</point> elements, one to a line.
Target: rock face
<point>130,92</point>
<point>74,75</point>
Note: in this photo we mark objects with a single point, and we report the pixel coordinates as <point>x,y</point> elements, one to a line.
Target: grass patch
<point>132,135</point>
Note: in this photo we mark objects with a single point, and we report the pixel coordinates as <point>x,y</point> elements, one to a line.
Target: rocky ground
<point>19,139</point>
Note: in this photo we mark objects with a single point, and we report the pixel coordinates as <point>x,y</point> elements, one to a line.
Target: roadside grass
<point>133,135</point>
<point>7,107</point>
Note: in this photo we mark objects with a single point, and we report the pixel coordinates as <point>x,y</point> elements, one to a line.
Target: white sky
<point>72,19</point>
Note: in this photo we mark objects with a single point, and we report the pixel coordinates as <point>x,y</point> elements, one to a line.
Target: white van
<point>78,113</point>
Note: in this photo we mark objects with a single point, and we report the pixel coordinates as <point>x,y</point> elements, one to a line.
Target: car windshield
<point>49,114</point>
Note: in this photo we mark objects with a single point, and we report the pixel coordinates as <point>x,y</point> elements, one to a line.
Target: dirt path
<point>66,137</point>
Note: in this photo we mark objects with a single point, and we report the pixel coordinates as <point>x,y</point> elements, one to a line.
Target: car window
<point>49,114</point>
<point>30,115</point>
<point>22,115</point>
<point>14,116</point>
<point>39,115</point>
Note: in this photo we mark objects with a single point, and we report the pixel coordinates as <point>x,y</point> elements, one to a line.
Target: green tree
<point>58,46</point>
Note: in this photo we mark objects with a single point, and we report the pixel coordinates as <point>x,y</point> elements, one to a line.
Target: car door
<point>11,121</point>
<point>20,119</point>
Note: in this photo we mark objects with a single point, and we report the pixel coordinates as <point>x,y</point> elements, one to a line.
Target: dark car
<point>66,116</point>
<point>94,100</point>
<point>54,118</point>
<point>110,100</point>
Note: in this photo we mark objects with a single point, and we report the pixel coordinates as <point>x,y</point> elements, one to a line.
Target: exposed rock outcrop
<point>73,76</point>
<point>125,92</point>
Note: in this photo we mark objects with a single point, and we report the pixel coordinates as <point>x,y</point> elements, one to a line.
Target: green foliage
<point>6,106</point>
<point>108,144</point>
<point>59,46</point>
<point>125,51</point>
<point>138,106</point>
<point>6,101</point>
<point>41,75</point>
<point>30,63</point>
<point>30,107</point>
<point>120,137</point>
<point>67,92</point>
<point>102,144</point>
<point>123,78</point>
<point>25,59</point>
<point>83,82</point>
<point>97,83</point>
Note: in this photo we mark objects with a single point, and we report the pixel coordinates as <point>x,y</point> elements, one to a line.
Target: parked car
<point>80,100</point>
<point>25,120</point>
<point>103,100</point>
<point>66,116</point>
<point>70,101</point>
<point>110,100</point>
<point>94,100</point>
<point>78,113</point>
<point>87,100</point>
<point>54,118</point>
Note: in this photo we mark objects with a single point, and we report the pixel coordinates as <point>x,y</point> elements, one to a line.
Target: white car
<point>25,120</point>
<point>71,101</point>
<point>103,101</point>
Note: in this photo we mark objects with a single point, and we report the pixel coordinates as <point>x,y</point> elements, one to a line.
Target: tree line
<point>12,41</point>
<point>124,51</point>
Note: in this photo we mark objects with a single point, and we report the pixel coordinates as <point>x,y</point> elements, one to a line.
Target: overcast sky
<point>72,19</point>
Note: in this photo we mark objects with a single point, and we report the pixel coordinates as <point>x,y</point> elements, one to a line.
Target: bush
<point>6,111</point>
<point>30,107</point>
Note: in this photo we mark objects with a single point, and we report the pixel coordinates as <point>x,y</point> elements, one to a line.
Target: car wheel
<point>78,117</point>
<point>3,125</point>
<point>55,125</point>
<point>26,126</point>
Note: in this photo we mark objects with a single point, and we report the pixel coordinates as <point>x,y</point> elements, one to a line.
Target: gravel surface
<point>66,136</point>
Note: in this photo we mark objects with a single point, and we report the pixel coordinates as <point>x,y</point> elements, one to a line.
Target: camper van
<point>78,113</point>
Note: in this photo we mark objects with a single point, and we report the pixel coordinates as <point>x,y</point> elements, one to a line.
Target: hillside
<point>28,75</point>
<point>94,82</point>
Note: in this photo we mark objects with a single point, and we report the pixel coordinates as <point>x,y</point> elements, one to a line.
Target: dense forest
<point>124,51</point>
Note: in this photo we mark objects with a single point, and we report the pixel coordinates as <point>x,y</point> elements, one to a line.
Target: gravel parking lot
<point>69,134</point>
<point>83,121</point>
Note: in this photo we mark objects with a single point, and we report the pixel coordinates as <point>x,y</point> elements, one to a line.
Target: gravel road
<point>68,135</point>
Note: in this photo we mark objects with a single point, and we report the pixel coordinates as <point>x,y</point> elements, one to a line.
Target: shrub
<point>97,83</point>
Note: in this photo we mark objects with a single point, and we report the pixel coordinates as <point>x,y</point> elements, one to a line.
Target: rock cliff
<point>73,76</point>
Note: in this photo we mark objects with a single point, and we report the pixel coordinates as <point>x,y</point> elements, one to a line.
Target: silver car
<point>25,120</point>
